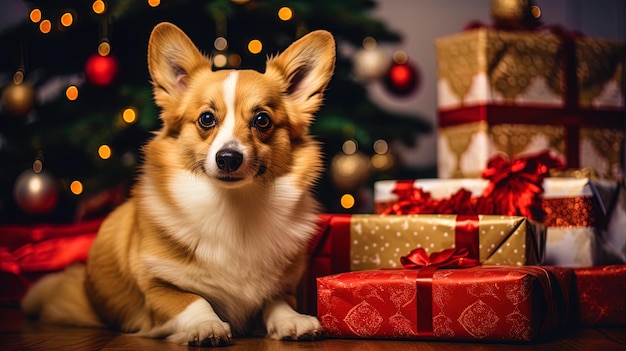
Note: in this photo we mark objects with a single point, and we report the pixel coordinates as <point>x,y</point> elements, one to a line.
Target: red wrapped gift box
<point>29,252</point>
<point>503,303</point>
<point>601,295</point>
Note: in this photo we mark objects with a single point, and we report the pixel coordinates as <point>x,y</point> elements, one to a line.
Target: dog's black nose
<point>228,160</point>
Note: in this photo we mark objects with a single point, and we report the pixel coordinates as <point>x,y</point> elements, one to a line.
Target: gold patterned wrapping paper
<point>464,150</point>
<point>600,73</point>
<point>523,92</point>
<point>379,241</point>
<point>492,66</point>
<point>576,209</point>
<point>486,65</point>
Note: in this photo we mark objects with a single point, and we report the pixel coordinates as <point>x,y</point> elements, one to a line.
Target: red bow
<point>515,187</point>
<point>449,258</point>
<point>514,190</point>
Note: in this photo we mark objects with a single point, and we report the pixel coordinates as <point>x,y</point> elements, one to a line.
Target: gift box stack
<point>521,92</point>
<point>524,232</point>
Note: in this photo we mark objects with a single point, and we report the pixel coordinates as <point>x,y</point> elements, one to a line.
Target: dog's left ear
<point>307,66</point>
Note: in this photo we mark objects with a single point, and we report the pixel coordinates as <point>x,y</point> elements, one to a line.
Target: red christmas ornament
<point>101,70</point>
<point>402,79</point>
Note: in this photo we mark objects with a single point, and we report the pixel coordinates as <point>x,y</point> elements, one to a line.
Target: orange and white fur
<point>216,229</point>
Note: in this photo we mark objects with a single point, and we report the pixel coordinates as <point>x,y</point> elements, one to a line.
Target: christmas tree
<point>77,102</point>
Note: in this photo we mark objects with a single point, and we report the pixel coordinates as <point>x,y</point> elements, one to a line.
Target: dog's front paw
<point>296,327</point>
<point>207,333</point>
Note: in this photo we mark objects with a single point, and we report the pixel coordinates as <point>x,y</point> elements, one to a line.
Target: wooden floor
<point>18,333</point>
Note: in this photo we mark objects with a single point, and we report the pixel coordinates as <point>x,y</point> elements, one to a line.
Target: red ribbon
<point>514,189</point>
<point>448,258</point>
<point>427,265</point>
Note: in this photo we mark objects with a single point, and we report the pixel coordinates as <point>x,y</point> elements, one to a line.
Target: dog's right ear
<point>172,57</point>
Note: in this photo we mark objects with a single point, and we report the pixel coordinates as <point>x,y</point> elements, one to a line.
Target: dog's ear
<point>172,57</point>
<point>306,66</point>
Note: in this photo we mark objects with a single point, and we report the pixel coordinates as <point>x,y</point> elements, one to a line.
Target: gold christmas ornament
<point>18,97</point>
<point>349,172</point>
<point>370,63</point>
<point>382,162</point>
<point>515,13</point>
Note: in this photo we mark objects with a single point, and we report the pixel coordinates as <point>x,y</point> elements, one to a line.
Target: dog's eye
<point>206,120</point>
<point>262,121</point>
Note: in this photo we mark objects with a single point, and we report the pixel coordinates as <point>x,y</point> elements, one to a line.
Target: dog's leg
<point>284,323</point>
<point>188,319</point>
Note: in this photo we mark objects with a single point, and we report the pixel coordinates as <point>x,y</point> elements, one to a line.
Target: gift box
<point>489,303</point>
<point>518,93</point>
<point>600,294</point>
<point>463,150</point>
<point>485,65</point>
<point>616,225</point>
<point>550,67</point>
<point>28,252</point>
<point>368,241</point>
<point>573,210</point>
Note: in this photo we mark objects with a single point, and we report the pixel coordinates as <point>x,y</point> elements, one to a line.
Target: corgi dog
<point>215,232</point>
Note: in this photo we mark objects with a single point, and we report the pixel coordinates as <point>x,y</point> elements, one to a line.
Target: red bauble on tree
<point>402,79</point>
<point>101,70</point>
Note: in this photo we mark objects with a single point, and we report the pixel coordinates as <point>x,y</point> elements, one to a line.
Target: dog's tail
<point>60,298</point>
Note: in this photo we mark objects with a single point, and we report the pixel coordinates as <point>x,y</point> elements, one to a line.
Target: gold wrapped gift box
<point>464,149</point>
<point>522,92</point>
<point>575,210</point>
<point>380,241</point>
<point>491,66</point>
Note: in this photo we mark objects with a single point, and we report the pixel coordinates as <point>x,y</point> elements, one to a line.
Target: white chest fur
<point>242,240</point>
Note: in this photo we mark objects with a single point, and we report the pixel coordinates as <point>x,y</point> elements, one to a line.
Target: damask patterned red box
<point>601,295</point>
<point>492,304</point>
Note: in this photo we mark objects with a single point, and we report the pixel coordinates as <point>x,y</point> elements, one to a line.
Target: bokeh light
<point>400,57</point>
<point>67,19</point>
<point>349,147</point>
<point>45,26</point>
<point>382,162</point>
<point>35,15</point>
<point>255,46</point>
<point>18,77</point>
<point>37,166</point>
<point>76,187</point>
<point>381,146</point>
<point>220,60</point>
<point>285,13</point>
<point>104,151</point>
<point>104,48</point>
<point>71,93</point>
<point>536,11</point>
<point>347,201</point>
<point>154,3</point>
<point>369,43</point>
<point>129,116</point>
<point>98,7</point>
<point>234,60</point>
<point>220,43</point>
